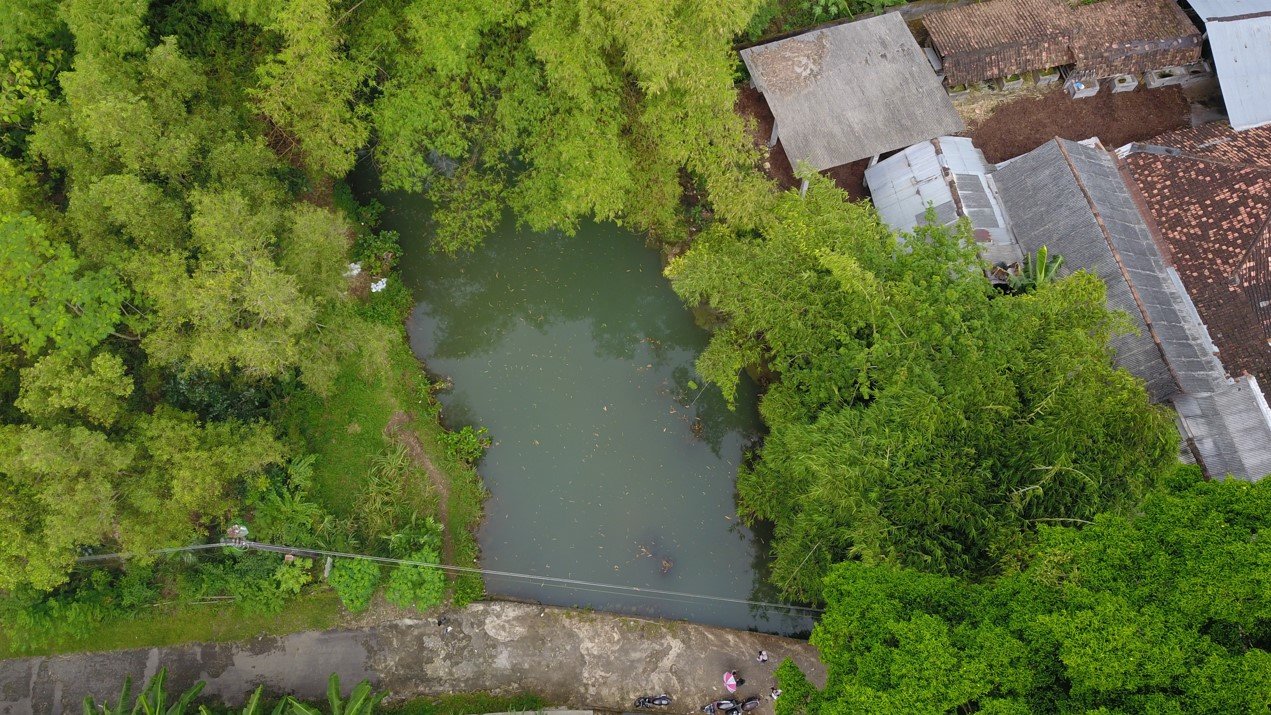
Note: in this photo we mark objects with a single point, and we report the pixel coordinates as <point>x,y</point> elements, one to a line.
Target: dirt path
<point>583,659</point>
<point>399,430</point>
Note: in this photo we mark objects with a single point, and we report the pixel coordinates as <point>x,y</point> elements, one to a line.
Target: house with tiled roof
<point>1239,34</point>
<point>1079,201</point>
<point>850,91</point>
<point>999,38</point>
<point>1207,191</point>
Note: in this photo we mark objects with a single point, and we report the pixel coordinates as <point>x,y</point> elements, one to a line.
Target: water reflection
<point>611,463</point>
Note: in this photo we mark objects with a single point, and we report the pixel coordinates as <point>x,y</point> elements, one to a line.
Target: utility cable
<point>129,555</point>
<point>613,589</point>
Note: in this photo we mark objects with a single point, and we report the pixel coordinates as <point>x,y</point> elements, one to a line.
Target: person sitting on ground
<point>762,657</point>
<point>774,693</point>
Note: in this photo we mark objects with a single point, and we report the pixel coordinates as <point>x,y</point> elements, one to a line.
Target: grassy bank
<point>382,411</point>
<point>467,704</point>
<point>173,624</point>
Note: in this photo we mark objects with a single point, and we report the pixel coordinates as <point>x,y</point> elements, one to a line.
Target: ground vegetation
<point>989,509</point>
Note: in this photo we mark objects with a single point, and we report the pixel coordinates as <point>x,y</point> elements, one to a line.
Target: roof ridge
<point>1177,153</point>
<point>1116,254</point>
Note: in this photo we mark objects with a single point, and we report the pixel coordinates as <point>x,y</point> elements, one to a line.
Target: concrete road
<point>582,659</point>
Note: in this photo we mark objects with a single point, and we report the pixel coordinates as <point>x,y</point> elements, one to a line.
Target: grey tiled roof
<point>1227,429</point>
<point>851,91</point>
<point>1047,206</point>
<point>1073,199</point>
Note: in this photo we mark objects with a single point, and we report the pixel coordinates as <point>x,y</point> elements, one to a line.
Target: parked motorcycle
<point>651,701</point>
<point>720,706</point>
<point>749,704</point>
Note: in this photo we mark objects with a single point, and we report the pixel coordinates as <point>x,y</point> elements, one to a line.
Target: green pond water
<point>607,466</point>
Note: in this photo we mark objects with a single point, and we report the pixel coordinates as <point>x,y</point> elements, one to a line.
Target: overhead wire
<point>555,581</point>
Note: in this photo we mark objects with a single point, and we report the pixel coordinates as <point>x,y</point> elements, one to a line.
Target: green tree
<point>1163,611</point>
<point>314,248</point>
<point>237,307</point>
<point>57,494</point>
<point>308,88</point>
<point>45,297</point>
<point>185,473</point>
<point>563,110</point>
<point>60,385</point>
<point>916,415</point>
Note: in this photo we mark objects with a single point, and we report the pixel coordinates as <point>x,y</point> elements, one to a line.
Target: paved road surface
<point>573,658</point>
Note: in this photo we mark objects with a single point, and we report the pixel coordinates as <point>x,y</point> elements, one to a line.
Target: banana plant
<point>254,706</point>
<point>1038,270</point>
<point>360,702</point>
<point>152,700</point>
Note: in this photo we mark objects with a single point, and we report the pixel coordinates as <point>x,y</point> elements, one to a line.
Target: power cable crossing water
<point>594,586</point>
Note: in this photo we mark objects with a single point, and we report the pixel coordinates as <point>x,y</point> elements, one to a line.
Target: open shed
<point>1240,37</point>
<point>850,92</point>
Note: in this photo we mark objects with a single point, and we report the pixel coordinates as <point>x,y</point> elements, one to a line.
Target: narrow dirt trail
<point>400,430</point>
<point>583,659</point>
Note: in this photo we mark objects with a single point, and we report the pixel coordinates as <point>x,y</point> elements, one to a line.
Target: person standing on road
<point>774,693</point>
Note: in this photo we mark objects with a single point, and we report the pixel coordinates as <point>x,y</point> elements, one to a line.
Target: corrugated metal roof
<point>1240,38</point>
<point>851,91</point>
<point>926,175</point>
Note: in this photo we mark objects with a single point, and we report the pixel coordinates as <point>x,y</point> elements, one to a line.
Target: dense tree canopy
<point>1165,611</point>
<point>172,246</point>
<point>917,416</point>
<point>559,109</point>
<point>959,472</point>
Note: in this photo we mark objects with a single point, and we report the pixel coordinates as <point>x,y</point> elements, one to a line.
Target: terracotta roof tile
<point>1211,202</point>
<point>1003,37</point>
<point>1133,36</point>
<point>1000,38</point>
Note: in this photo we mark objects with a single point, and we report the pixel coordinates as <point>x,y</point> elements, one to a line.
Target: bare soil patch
<point>1018,126</point>
<point>751,104</point>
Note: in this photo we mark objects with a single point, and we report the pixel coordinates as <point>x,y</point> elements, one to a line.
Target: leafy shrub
<point>249,578</point>
<point>354,581</point>
<point>136,588</point>
<point>468,588</point>
<point>390,306</point>
<point>217,397</point>
<point>282,510</point>
<point>294,575</point>
<point>377,252</point>
<point>419,586</point>
<point>467,444</point>
<point>32,620</point>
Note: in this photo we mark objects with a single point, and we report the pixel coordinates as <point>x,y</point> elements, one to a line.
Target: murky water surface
<point>611,464</point>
